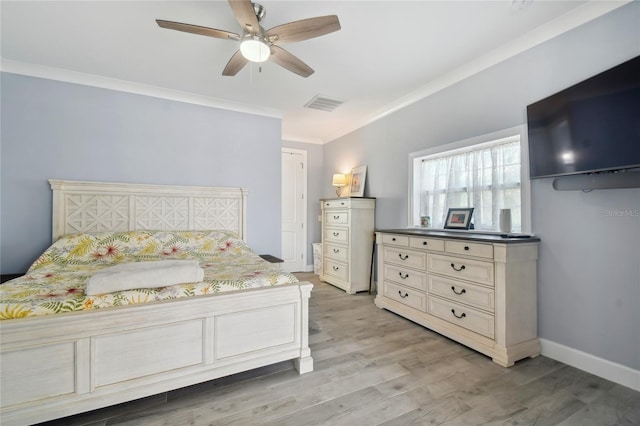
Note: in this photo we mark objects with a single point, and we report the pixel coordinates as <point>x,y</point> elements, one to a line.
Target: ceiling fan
<point>258,44</point>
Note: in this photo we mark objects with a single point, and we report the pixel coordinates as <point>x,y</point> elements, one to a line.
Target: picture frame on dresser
<point>358,180</point>
<point>458,218</point>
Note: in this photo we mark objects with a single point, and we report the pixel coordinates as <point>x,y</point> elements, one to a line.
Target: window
<point>485,173</point>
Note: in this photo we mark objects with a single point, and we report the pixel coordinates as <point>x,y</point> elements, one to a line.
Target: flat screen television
<point>593,126</point>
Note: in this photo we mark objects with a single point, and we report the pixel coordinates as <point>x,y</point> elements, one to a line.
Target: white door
<point>294,212</point>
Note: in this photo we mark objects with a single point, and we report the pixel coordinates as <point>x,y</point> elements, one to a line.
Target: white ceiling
<point>388,54</point>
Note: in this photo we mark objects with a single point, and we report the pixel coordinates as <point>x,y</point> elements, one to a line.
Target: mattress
<point>56,281</point>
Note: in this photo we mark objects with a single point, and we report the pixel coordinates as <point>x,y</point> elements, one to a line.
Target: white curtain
<point>486,178</point>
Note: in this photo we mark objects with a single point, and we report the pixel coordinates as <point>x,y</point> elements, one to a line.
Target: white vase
<point>505,220</point>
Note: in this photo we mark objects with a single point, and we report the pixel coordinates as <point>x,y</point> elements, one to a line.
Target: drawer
<point>458,267</point>
<point>396,240</point>
<point>426,243</point>
<point>404,257</point>
<point>336,252</point>
<point>406,296</point>
<point>336,235</point>
<point>336,217</point>
<point>469,249</point>
<point>462,292</point>
<point>335,203</point>
<point>464,316</point>
<point>336,269</point>
<point>407,277</point>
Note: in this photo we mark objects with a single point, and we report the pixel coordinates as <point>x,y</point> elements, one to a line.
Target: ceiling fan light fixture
<point>255,49</point>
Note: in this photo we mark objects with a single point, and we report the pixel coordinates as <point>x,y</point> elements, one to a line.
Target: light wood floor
<point>375,368</point>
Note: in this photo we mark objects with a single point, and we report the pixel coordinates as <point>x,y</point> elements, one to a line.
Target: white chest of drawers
<point>479,291</point>
<point>347,242</point>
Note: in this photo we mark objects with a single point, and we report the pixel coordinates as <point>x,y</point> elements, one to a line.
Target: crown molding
<point>68,76</point>
<point>286,137</point>
<point>564,23</point>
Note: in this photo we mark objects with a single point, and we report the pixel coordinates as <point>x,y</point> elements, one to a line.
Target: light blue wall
<point>588,270</point>
<point>58,130</point>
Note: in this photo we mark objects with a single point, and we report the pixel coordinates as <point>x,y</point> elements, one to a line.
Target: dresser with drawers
<point>477,289</point>
<point>347,242</point>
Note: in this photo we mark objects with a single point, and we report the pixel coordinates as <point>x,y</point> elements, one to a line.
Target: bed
<point>59,356</point>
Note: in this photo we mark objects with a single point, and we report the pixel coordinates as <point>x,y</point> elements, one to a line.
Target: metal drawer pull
<point>457,269</point>
<point>463,291</point>
<point>466,247</point>
<point>406,256</point>
<point>335,268</point>
<point>453,311</point>
<point>336,217</point>
<point>393,239</point>
<point>404,277</point>
<point>336,250</point>
<point>335,234</point>
<point>405,294</point>
<point>424,243</point>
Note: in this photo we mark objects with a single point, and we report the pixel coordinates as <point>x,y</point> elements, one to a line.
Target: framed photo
<point>358,179</point>
<point>458,218</point>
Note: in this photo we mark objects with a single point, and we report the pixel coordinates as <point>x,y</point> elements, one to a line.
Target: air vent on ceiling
<point>323,103</point>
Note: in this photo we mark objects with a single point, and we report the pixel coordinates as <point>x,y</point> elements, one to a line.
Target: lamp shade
<point>339,180</point>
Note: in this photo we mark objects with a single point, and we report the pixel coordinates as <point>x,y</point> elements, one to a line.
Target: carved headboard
<point>105,206</point>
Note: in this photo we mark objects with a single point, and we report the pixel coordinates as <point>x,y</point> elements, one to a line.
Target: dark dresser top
<point>486,236</point>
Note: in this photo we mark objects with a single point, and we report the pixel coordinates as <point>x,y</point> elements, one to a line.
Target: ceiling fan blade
<point>303,29</point>
<point>288,61</point>
<point>235,64</point>
<point>197,29</point>
<point>245,15</point>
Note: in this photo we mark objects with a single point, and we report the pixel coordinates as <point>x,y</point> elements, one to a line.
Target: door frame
<point>305,195</point>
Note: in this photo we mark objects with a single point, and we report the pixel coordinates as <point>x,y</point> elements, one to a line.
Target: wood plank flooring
<point>373,367</point>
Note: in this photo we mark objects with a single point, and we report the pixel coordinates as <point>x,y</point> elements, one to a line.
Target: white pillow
<point>159,273</point>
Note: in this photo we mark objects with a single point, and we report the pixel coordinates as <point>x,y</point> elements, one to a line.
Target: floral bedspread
<point>56,281</point>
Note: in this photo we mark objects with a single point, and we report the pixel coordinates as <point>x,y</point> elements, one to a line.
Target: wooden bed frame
<point>58,365</point>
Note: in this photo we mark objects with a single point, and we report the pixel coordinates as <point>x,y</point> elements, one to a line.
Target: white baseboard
<point>612,371</point>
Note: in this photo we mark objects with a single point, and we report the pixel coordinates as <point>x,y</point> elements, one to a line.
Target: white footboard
<point>59,365</point>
